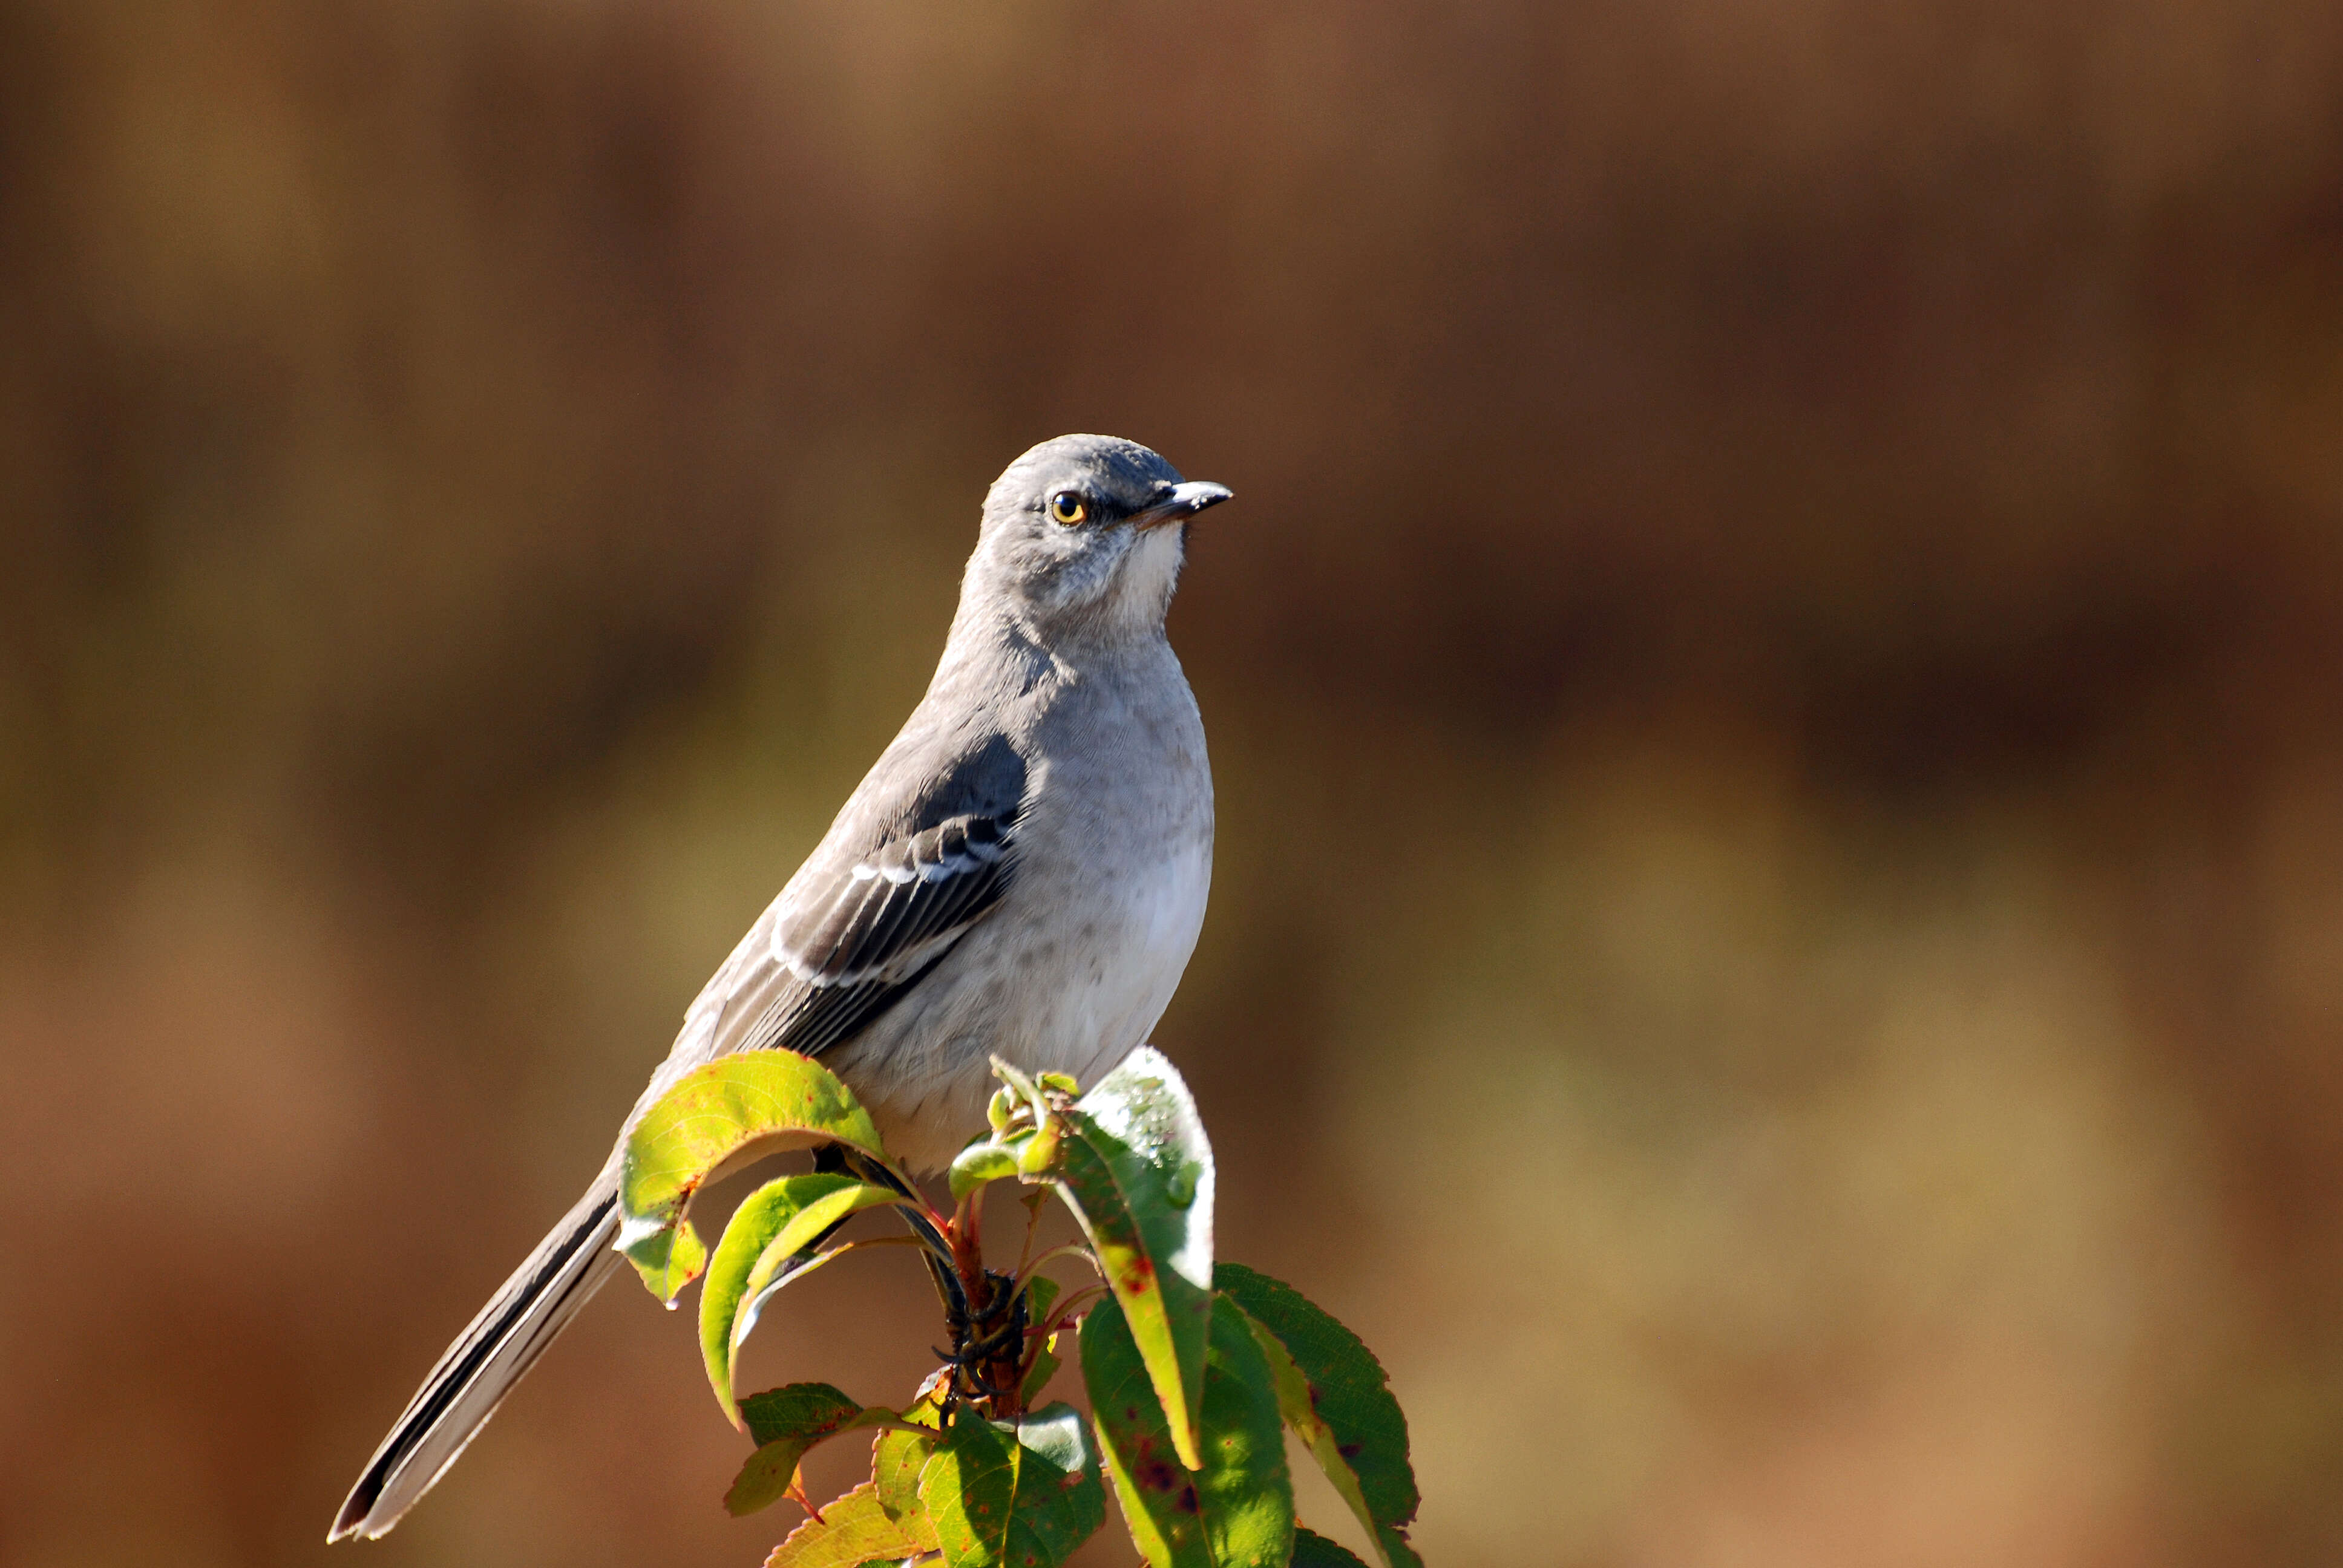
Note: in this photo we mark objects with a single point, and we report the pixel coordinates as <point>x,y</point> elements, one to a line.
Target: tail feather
<point>484,1364</point>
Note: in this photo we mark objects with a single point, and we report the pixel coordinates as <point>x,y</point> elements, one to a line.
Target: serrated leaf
<point>1337,1399</point>
<point>1397,1550</point>
<point>797,1407</point>
<point>1237,1510</point>
<point>1136,1170</point>
<point>1022,1495</point>
<point>853,1530</point>
<point>1312,1550</point>
<point>772,1470</point>
<point>756,1101</point>
<point>768,1231</point>
<point>786,1423</point>
<point>1295,1402</point>
<point>896,1461</point>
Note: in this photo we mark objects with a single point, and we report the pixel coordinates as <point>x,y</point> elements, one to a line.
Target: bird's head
<point>1087,532</point>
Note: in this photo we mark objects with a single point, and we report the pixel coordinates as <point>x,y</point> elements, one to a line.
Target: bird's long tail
<point>487,1359</point>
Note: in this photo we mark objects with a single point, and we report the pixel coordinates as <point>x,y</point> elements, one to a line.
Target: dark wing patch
<point>895,902</point>
<point>842,951</point>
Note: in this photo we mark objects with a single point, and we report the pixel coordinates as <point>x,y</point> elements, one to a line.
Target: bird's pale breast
<point>1113,871</point>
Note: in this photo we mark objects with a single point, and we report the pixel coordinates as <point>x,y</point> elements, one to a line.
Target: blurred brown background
<point>1779,944</point>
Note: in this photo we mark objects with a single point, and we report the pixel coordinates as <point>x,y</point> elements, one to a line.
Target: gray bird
<point>1022,873</point>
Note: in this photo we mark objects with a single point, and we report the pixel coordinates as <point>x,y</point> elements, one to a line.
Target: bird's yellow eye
<point>1066,510</point>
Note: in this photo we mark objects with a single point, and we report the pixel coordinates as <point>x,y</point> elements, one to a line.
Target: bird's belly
<point>1068,983</point>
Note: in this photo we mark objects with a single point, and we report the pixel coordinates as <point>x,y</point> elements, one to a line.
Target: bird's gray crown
<point>1113,472</point>
<point>1075,538</point>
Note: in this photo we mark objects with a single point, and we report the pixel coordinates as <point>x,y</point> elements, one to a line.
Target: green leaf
<point>850,1531</point>
<point>979,1163</point>
<point>772,1227</point>
<point>770,1472</point>
<point>1237,1510</point>
<point>786,1423</point>
<point>896,1461</point>
<point>778,1413</point>
<point>1397,1549</point>
<point>1036,1104</point>
<point>1337,1399</point>
<point>1022,1495</point>
<point>1045,1367</point>
<point>753,1103</point>
<point>1312,1550</point>
<point>1040,1295</point>
<point>1293,1400</point>
<point>1136,1170</point>
<point>669,1260</point>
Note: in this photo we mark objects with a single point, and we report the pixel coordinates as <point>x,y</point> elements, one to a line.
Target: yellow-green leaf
<point>853,1530</point>
<point>772,1229</point>
<point>752,1103</point>
<point>979,1163</point>
<point>897,1458</point>
<point>669,1260</point>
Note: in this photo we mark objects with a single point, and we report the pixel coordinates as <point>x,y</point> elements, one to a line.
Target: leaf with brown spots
<point>786,1423</point>
<point>851,1531</point>
<point>1336,1396</point>
<point>1020,1495</point>
<point>1236,1511</point>
<point>898,1456</point>
<point>1135,1168</point>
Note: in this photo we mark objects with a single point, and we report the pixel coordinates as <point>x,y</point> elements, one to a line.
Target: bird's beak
<point>1181,503</point>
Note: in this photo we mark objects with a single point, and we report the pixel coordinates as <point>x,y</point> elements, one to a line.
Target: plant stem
<point>1071,1249</point>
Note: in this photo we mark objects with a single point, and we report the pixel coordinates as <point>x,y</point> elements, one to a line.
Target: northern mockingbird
<point>1022,873</point>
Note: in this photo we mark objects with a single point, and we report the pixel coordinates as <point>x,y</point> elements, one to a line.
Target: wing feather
<point>856,930</point>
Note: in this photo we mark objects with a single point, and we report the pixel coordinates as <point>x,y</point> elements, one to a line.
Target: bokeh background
<point>1778,934</point>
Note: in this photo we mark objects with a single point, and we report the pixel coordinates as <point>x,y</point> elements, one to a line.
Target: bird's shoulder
<point>919,852</point>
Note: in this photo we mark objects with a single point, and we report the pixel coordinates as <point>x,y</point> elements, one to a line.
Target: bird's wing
<point>920,853</point>
<point>896,884</point>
